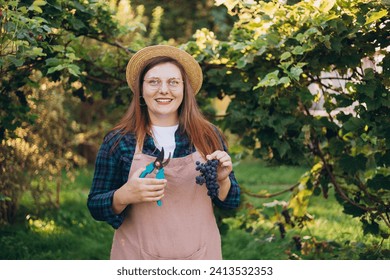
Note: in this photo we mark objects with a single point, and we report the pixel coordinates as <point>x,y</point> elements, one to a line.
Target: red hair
<point>202,134</point>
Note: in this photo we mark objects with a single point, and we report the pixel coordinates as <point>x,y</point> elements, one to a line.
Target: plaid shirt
<point>112,169</point>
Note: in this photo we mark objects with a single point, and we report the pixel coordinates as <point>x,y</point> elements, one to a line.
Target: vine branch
<point>269,195</point>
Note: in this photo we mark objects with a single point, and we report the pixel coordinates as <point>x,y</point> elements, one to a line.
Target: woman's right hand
<point>138,190</point>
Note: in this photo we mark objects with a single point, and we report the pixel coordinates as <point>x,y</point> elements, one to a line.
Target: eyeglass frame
<point>160,83</point>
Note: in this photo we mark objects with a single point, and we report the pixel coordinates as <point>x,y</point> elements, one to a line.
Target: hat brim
<point>139,59</point>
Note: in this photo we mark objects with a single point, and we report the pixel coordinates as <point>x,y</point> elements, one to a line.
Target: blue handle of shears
<point>160,175</point>
<point>149,168</point>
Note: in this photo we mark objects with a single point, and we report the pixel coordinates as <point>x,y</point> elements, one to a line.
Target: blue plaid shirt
<point>112,169</point>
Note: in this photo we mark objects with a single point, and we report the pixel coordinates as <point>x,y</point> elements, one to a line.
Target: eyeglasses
<point>156,83</point>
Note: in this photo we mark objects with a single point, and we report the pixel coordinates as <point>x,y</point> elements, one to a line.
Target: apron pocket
<point>197,255</point>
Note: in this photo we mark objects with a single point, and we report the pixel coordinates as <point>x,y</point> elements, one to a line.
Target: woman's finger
<point>216,155</point>
<point>224,158</point>
<point>154,194</point>
<point>153,199</point>
<point>227,163</point>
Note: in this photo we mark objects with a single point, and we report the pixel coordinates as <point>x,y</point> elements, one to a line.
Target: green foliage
<point>264,229</point>
<point>60,51</point>
<point>40,151</point>
<point>40,36</point>
<point>66,233</point>
<point>308,80</point>
<point>182,18</point>
<point>70,233</point>
<point>309,84</point>
<point>50,53</point>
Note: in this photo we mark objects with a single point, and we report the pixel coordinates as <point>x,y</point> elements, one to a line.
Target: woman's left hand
<point>225,164</point>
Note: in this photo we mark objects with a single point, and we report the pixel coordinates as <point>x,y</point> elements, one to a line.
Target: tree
<point>56,56</point>
<point>60,60</point>
<point>277,53</point>
<point>180,19</point>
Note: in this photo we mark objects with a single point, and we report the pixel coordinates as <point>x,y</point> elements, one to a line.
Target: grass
<point>69,232</point>
<point>66,233</point>
<point>331,235</point>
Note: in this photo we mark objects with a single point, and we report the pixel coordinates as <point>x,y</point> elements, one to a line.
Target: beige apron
<point>183,228</point>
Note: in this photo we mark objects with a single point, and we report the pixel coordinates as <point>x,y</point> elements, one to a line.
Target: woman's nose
<point>164,87</point>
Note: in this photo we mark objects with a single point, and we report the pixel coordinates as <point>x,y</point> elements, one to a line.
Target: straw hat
<point>140,58</point>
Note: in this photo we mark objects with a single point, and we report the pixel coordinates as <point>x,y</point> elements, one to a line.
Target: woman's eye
<point>173,83</point>
<point>153,82</point>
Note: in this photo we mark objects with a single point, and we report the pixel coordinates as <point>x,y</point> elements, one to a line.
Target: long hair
<point>201,133</point>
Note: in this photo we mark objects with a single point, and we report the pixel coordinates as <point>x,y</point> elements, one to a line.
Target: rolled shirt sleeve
<point>106,180</point>
<point>232,200</point>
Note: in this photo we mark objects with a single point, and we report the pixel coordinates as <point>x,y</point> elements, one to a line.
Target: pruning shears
<point>158,165</point>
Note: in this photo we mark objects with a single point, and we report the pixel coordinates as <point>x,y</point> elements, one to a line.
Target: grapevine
<point>208,171</point>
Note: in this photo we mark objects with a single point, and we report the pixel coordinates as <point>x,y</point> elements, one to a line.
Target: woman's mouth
<point>164,100</point>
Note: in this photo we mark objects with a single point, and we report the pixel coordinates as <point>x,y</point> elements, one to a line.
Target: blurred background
<point>300,89</point>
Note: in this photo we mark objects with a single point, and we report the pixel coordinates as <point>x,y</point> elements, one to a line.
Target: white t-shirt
<point>164,136</point>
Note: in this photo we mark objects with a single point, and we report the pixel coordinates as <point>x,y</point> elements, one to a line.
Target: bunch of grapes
<point>208,171</point>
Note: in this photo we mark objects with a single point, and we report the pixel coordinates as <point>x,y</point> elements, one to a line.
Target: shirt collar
<point>183,146</point>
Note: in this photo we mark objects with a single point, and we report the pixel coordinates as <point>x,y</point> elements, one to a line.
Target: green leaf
<point>353,164</point>
<point>300,202</point>
<point>311,31</point>
<point>283,148</point>
<point>326,5</point>
<point>35,8</point>
<point>58,48</point>
<point>271,79</point>
<point>241,62</point>
<point>374,16</point>
<point>230,4</point>
<point>34,52</point>
<point>23,9</point>
<point>300,37</point>
<point>39,3</point>
<point>72,56</point>
<point>56,68</point>
<point>352,210</point>
<point>53,61</point>
<point>285,81</point>
<point>295,73</point>
<point>369,74</point>
<point>298,50</point>
<point>372,227</point>
<point>77,24</point>
<point>74,70</point>
<point>353,124</point>
<point>16,61</point>
<point>379,182</point>
<point>13,3</point>
<point>285,55</point>
<point>336,146</point>
<point>80,6</point>
<point>317,191</point>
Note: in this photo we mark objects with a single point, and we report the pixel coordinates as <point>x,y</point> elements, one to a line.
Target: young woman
<point>163,114</point>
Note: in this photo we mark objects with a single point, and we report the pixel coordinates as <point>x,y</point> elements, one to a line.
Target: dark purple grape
<point>208,175</point>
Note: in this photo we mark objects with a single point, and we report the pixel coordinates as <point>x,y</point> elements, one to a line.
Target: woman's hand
<point>225,164</point>
<point>224,169</point>
<point>138,190</point>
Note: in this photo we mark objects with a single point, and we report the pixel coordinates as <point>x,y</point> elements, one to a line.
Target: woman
<point>163,114</point>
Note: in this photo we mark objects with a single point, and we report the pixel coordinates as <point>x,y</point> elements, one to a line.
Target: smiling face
<point>163,92</point>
